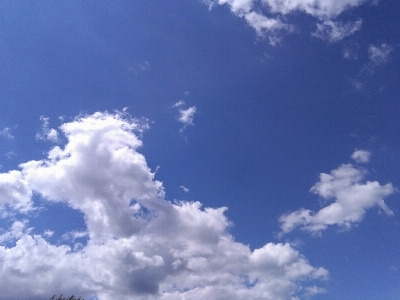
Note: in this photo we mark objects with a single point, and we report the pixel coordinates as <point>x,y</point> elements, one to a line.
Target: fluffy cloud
<point>138,244</point>
<point>265,16</point>
<point>187,115</point>
<point>351,198</point>
<point>15,193</point>
<point>361,156</point>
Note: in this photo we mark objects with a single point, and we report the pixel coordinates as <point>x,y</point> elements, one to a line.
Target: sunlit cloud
<point>137,244</point>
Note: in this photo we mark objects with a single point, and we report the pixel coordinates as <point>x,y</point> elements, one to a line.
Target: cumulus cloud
<point>336,31</point>
<point>138,244</point>
<point>265,16</point>
<point>16,194</point>
<point>47,134</point>
<point>349,195</point>
<point>361,156</point>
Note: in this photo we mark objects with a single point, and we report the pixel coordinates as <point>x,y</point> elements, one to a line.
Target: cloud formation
<point>336,31</point>
<point>47,134</point>
<point>361,156</point>
<point>266,16</point>
<point>138,244</point>
<point>349,195</point>
<point>187,115</point>
<point>184,188</point>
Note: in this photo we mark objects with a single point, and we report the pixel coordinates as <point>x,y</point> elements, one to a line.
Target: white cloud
<point>15,192</point>
<point>139,245</point>
<point>16,231</point>
<point>48,233</point>
<point>6,133</point>
<point>187,115</point>
<point>185,189</point>
<point>361,156</point>
<point>179,103</point>
<point>351,198</point>
<point>47,134</point>
<point>336,31</point>
<point>379,54</point>
<point>265,16</point>
<point>322,9</point>
<point>314,290</point>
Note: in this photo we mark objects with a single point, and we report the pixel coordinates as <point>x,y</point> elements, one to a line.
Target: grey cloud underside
<point>139,244</point>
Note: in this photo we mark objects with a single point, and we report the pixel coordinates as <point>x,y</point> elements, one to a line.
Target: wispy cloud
<point>187,115</point>
<point>47,134</point>
<point>379,54</point>
<point>185,189</point>
<point>179,103</point>
<point>6,132</point>
<point>336,31</point>
<point>265,16</point>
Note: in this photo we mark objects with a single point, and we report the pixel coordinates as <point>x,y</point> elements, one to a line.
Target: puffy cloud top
<point>139,244</point>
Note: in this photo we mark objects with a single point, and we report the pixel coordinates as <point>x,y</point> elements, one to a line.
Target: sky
<point>200,149</point>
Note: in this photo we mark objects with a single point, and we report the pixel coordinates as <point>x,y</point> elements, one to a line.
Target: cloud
<point>263,25</point>
<point>138,244</point>
<point>185,189</point>
<point>187,115</point>
<point>379,54</point>
<point>15,193</point>
<point>6,133</point>
<point>361,156</point>
<point>47,134</point>
<point>144,66</point>
<point>336,31</point>
<point>265,16</point>
<point>351,198</point>
<point>350,50</point>
<point>314,290</point>
<point>321,9</point>
<point>179,103</point>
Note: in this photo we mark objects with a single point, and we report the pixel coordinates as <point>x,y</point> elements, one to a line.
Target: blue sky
<point>220,149</point>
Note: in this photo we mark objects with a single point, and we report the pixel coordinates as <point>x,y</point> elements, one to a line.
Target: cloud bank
<point>138,244</point>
